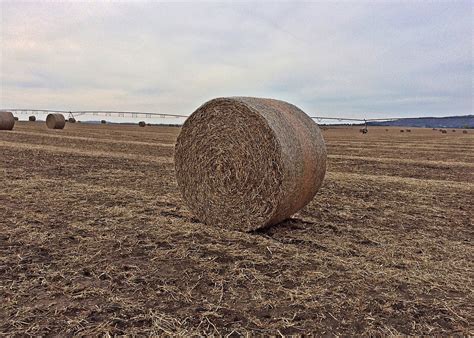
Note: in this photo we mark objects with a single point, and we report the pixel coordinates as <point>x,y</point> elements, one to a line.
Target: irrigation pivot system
<point>137,114</point>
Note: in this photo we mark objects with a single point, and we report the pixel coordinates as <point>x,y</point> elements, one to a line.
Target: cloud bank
<point>336,59</point>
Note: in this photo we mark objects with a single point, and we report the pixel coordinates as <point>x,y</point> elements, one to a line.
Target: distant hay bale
<point>363,131</point>
<point>402,131</point>
<point>454,130</point>
<point>55,121</point>
<point>244,163</point>
<point>71,120</point>
<point>386,129</point>
<point>7,120</point>
<point>464,131</point>
<point>32,118</point>
<point>444,131</point>
<point>103,121</point>
<point>15,118</point>
<point>142,123</point>
<point>408,130</point>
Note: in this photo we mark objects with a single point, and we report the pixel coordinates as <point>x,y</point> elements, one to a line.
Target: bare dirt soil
<point>94,238</point>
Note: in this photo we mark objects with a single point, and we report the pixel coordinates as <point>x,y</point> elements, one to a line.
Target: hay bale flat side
<point>32,118</point>
<point>7,120</point>
<point>55,121</point>
<point>244,163</point>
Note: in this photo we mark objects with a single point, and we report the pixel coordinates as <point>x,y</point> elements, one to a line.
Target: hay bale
<point>245,163</point>
<point>142,123</point>
<point>72,120</point>
<point>55,121</point>
<point>32,118</point>
<point>15,118</point>
<point>7,120</point>
<point>444,131</point>
<point>408,130</point>
<point>103,121</point>
<point>464,131</point>
<point>402,131</point>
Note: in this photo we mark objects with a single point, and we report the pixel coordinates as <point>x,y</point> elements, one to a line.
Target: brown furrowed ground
<point>94,238</point>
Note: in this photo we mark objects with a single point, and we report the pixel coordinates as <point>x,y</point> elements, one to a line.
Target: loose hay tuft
<point>245,163</point>
<point>7,120</point>
<point>55,121</point>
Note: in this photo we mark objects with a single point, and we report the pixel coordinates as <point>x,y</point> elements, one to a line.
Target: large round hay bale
<point>7,120</point>
<point>32,118</point>
<point>142,123</point>
<point>244,163</point>
<point>55,121</point>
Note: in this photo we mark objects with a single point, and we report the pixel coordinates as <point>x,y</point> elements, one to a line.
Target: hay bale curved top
<point>245,163</point>
<point>7,120</point>
<point>55,121</point>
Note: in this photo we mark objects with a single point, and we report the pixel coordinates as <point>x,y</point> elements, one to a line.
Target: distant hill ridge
<point>465,121</point>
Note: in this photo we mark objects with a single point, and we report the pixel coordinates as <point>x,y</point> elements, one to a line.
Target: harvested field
<point>94,238</point>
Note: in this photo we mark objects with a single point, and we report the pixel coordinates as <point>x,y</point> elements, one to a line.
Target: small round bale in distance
<point>142,123</point>
<point>7,120</point>
<point>244,163</point>
<point>55,121</point>
<point>32,118</point>
<point>16,118</point>
<point>103,121</point>
<point>71,120</point>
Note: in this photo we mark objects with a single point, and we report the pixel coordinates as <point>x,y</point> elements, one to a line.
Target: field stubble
<point>95,239</point>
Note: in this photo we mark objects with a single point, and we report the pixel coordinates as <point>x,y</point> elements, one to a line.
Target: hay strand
<point>7,120</point>
<point>55,121</point>
<point>244,163</point>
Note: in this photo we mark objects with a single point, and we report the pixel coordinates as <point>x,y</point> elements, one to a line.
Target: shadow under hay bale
<point>142,123</point>
<point>244,163</point>
<point>55,121</point>
<point>32,118</point>
<point>7,120</point>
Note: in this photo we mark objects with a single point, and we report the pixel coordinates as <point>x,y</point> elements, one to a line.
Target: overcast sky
<point>354,59</point>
